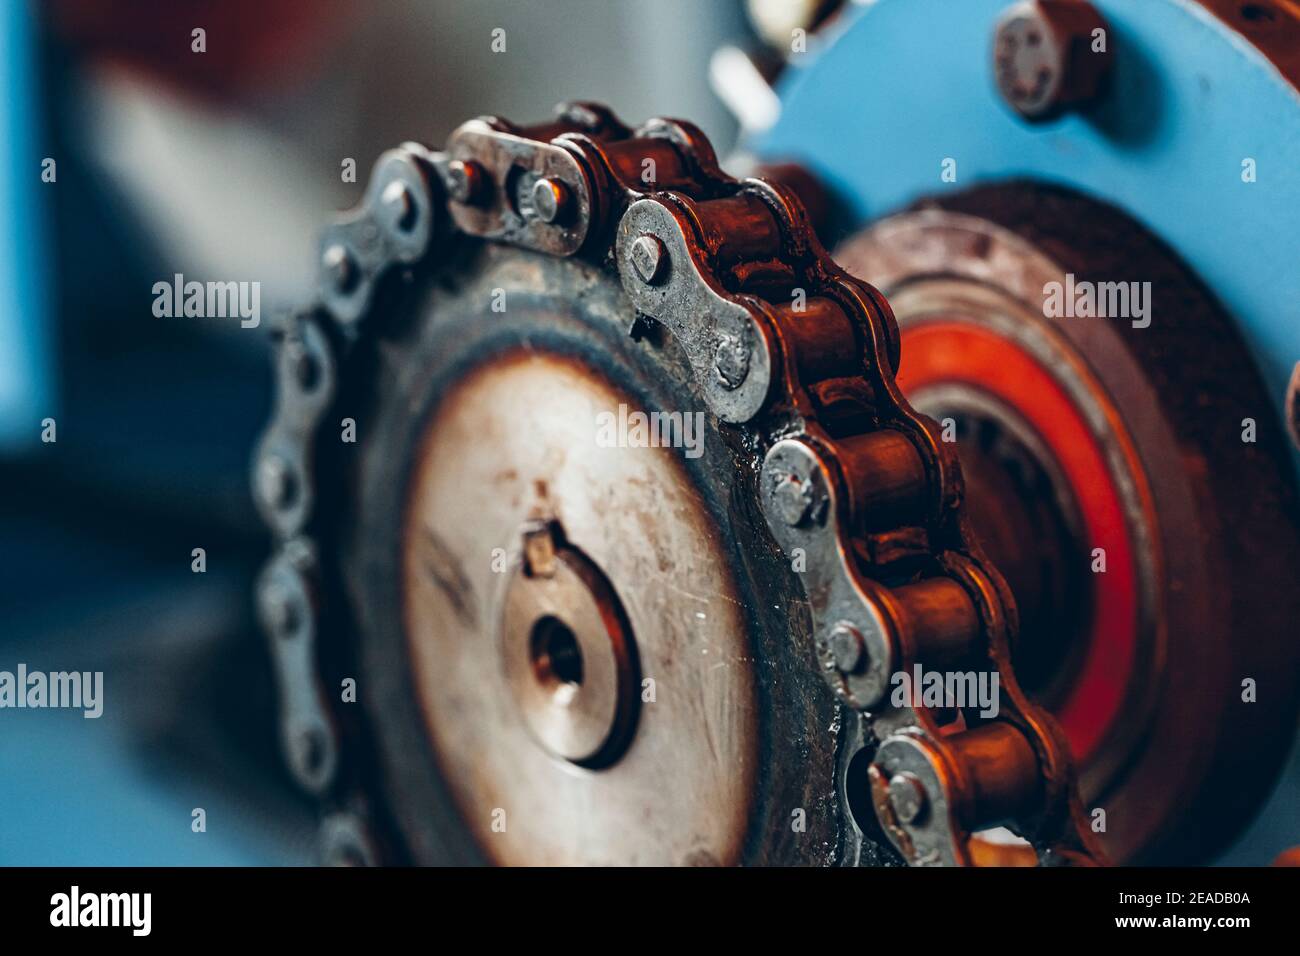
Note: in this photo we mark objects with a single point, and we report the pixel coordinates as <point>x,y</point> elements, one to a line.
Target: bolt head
<point>847,647</point>
<point>340,268</point>
<point>649,258</point>
<point>551,200</point>
<point>302,365</point>
<point>397,206</point>
<point>275,481</point>
<point>279,609</point>
<point>465,180</point>
<point>731,362</point>
<point>907,797</point>
<point>793,498</point>
<point>309,749</point>
<point>344,853</point>
<point>1044,59</point>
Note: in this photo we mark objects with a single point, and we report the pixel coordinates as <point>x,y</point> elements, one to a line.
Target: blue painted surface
<point>76,793</point>
<point>908,83</point>
<point>26,379</point>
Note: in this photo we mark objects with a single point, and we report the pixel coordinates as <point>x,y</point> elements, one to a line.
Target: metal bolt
<point>793,498</point>
<point>731,361</point>
<point>847,647</point>
<point>275,481</point>
<point>280,609</point>
<point>397,206</point>
<point>907,796</point>
<point>344,841</point>
<point>340,267</point>
<point>551,200</point>
<point>1049,57</point>
<point>465,181</point>
<point>648,258</point>
<point>342,853</point>
<point>302,365</point>
<point>309,751</point>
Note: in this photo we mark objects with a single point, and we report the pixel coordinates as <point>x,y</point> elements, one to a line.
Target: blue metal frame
<point>905,84</point>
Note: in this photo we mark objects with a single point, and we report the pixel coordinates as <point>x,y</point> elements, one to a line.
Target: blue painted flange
<point>903,85</point>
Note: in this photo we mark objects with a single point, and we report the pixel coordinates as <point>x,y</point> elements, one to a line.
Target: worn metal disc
<point>570,653</point>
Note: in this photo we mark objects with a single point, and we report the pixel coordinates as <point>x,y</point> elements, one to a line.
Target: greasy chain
<point>855,485</point>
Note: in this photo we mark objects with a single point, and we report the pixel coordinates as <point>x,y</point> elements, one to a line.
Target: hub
<point>1028,520</point>
<point>567,652</point>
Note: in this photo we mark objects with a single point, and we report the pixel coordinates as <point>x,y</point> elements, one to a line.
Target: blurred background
<point>220,165</point>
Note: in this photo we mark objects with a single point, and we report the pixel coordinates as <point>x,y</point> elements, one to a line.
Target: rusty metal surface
<point>1205,624</point>
<point>1272,26</point>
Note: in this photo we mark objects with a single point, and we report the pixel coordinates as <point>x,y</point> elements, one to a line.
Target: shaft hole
<point>556,657</point>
